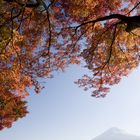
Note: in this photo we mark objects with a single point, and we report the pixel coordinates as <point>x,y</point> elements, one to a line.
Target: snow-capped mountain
<point>116,134</point>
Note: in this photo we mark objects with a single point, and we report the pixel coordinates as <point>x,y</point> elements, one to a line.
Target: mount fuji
<point>116,134</point>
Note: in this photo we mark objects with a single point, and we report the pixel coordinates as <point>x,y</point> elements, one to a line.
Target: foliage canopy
<point>38,37</point>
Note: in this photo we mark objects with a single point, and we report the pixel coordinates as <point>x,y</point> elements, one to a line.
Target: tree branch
<point>133,8</point>
<point>29,5</point>
<point>132,22</point>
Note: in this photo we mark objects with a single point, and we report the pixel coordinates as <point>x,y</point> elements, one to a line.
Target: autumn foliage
<point>12,107</point>
<point>39,37</point>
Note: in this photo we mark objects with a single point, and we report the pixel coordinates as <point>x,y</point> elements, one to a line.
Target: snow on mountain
<point>116,134</point>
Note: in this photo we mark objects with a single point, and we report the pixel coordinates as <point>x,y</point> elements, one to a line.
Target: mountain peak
<point>114,130</point>
<point>116,134</point>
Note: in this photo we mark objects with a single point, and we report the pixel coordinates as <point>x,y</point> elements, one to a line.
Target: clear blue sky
<point>65,112</point>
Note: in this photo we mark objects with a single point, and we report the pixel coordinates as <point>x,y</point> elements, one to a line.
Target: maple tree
<point>38,37</point>
<point>12,107</point>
